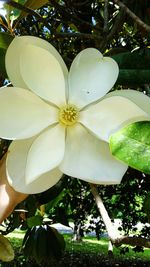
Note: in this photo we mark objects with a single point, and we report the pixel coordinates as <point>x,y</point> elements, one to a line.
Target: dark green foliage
<point>134,77</point>
<point>138,59</point>
<point>134,67</point>
<point>3,147</point>
<point>5,40</point>
<point>146,205</point>
<point>124,202</point>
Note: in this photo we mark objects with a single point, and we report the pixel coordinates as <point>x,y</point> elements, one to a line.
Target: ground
<point>89,253</point>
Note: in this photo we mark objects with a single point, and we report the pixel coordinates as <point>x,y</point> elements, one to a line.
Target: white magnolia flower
<point>61,122</point>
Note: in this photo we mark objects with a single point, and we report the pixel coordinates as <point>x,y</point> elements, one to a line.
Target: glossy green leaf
<point>5,40</point>
<point>131,145</point>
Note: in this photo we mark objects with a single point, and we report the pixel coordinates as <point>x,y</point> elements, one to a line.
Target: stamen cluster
<point>68,115</point>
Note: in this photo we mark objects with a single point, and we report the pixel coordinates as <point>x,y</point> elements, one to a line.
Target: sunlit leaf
<point>34,221</point>
<point>73,27</point>
<point>131,145</point>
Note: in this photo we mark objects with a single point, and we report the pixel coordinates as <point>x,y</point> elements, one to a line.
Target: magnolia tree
<point>64,120</point>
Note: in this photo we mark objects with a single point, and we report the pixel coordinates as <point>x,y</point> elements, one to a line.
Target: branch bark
<point>134,241</point>
<point>133,16</point>
<point>76,35</point>
<point>106,15</point>
<point>119,20</point>
<point>113,233</point>
<point>72,16</point>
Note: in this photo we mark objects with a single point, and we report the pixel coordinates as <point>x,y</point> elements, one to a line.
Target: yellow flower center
<point>68,115</point>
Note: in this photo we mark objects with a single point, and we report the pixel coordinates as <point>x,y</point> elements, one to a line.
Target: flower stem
<point>9,198</point>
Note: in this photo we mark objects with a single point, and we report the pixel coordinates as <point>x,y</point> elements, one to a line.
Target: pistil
<point>68,115</point>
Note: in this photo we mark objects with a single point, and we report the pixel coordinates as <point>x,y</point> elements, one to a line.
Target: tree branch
<point>76,34</point>
<point>105,29</point>
<point>134,241</point>
<point>81,3</point>
<point>72,16</point>
<point>119,20</point>
<point>117,24</point>
<point>133,16</point>
<point>113,233</point>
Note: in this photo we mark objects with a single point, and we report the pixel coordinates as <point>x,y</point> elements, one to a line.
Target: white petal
<point>23,114</point>
<point>16,166</point>
<point>91,77</point>
<point>12,61</point>
<point>45,153</point>
<point>13,57</point>
<point>89,159</point>
<point>43,74</point>
<point>139,98</point>
<point>110,114</point>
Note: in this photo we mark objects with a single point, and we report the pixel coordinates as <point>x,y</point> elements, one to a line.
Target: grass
<point>92,245</point>
<point>89,245</point>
